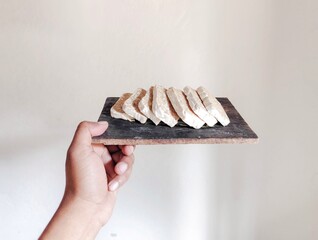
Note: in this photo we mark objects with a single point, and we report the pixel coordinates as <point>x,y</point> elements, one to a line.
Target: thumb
<point>86,130</point>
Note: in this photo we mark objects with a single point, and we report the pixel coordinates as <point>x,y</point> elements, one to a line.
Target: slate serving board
<point>121,132</point>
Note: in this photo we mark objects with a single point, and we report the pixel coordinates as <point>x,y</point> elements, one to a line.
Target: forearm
<point>74,219</point>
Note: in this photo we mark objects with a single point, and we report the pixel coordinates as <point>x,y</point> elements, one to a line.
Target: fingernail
<point>113,186</point>
<point>103,122</point>
<point>122,167</point>
<point>131,149</point>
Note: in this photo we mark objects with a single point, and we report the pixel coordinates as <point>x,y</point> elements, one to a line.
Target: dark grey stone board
<point>122,132</point>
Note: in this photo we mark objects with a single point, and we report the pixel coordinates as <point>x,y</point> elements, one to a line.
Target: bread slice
<point>181,106</point>
<point>162,107</point>
<point>130,106</point>
<point>117,111</point>
<point>197,106</point>
<point>145,106</point>
<point>213,106</point>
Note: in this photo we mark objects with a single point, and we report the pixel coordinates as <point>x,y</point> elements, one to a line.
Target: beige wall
<point>60,59</point>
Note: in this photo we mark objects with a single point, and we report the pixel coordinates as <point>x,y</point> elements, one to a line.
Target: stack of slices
<point>194,107</point>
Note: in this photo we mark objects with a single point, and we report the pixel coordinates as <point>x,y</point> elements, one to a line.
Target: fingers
<point>110,170</point>
<point>126,149</point>
<point>123,170</point>
<point>113,148</point>
<point>123,162</point>
<point>120,168</point>
<point>86,130</point>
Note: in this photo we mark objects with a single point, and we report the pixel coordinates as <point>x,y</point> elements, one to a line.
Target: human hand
<point>90,168</point>
<point>94,173</point>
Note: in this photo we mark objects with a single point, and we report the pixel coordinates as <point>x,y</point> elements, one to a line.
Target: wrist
<point>82,209</point>
<point>99,211</point>
<point>75,218</point>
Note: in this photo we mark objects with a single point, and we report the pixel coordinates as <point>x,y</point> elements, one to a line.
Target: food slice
<point>145,106</point>
<point>197,106</point>
<point>162,107</point>
<point>181,106</point>
<point>117,111</point>
<point>213,106</point>
<point>130,106</point>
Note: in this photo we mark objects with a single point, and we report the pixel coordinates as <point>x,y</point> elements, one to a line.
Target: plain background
<point>59,60</point>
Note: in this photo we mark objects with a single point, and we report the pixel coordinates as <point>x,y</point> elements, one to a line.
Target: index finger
<point>127,149</point>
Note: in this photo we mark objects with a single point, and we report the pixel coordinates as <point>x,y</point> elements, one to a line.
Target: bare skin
<point>94,173</point>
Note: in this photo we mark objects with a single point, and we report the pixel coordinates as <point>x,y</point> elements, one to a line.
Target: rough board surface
<point>121,132</point>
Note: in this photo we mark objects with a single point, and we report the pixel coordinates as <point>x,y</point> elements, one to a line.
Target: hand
<point>90,168</point>
<point>94,173</point>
